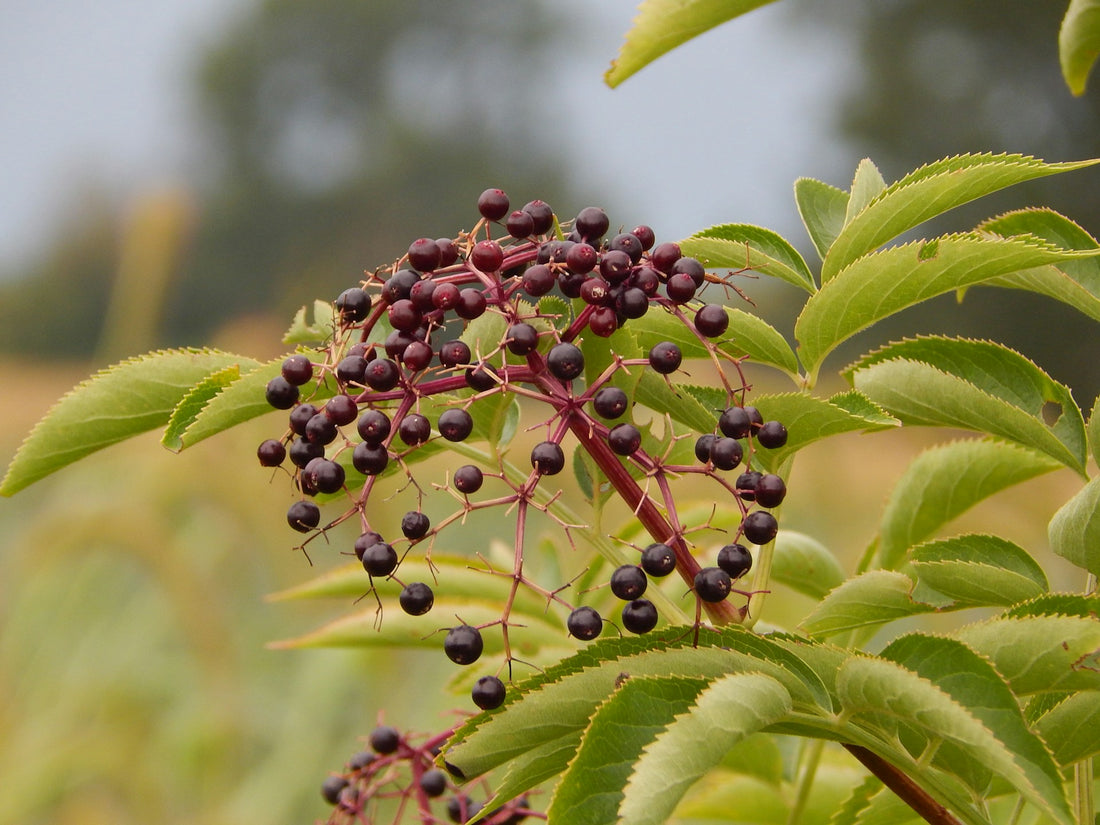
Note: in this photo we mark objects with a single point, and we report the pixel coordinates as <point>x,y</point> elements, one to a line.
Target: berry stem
<point>901,784</point>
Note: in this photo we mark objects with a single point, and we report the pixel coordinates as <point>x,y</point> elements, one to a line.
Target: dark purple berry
<point>403,315</point>
<point>468,479</point>
<point>520,224</point>
<point>460,812</point>
<point>632,302</point>
<point>416,598</point>
<point>331,788</point>
<point>414,429</point>
<point>591,223</point>
<point>658,560</point>
<point>570,284</point>
<point>603,321</point>
<point>735,559</point>
<point>690,267</point>
<point>664,256</point>
<point>463,644</point>
<point>445,296</point>
<point>726,453</point>
<point>382,374</point>
<point>645,279</point>
<point>665,357</point>
<point>433,783</point>
<point>596,291</point>
<point>271,453</point>
<point>482,377</point>
<point>297,369</point>
<point>538,279</point>
<point>712,584</point>
<point>493,204</point>
<point>321,429</point>
<point>380,559</point>
<point>341,409</point>
<point>541,214</point>
<point>645,236</point>
<point>370,459</point>
<point>280,393</point>
<point>488,693</point>
<point>327,475</point>
<point>565,361</point>
<point>522,339</point>
<point>365,540</point>
<point>624,439</point>
<point>581,258</point>
<point>628,582</point>
<point>547,458</point>
<point>712,320</point>
<point>746,485</point>
<point>770,490</point>
<point>455,424</point>
<point>300,417</point>
<point>771,435</point>
<point>351,370</point>
<point>361,760</point>
<point>703,445</point>
<point>628,243</point>
<point>422,293</point>
<point>759,527</point>
<point>353,305</point>
<point>487,256</point>
<point>584,623</point>
<point>471,304</point>
<point>415,525</point>
<point>680,288</point>
<point>639,616</point>
<point>417,356</point>
<point>373,426</point>
<point>399,285</point>
<point>303,516</point>
<point>302,452</point>
<point>454,353</point>
<point>735,422</point>
<point>384,739</point>
<point>424,254</point>
<point>615,266</point>
<point>610,402</point>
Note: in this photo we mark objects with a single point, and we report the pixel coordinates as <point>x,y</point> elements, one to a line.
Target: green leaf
<point>867,185</point>
<point>1079,43</point>
<point>192,404</point>
<point>662,25</point>
<point>116,403</point>
<point>1094,430</point>
<point>679,402</point>
<point>873,598</point>
<point>927,192</point>
<point>1040,653</point>
<point>1075,529</point>
<point>972,682</point>
<point>881,283</point>
<point>726,712</point>
<point>978,569</point>
<point>1070,727</point>
<point>318,330</point>
<point>945,481</point>
<point>745,246</point>
<point>591,789</point>
<point>823,209</point>
<point>805,564</point>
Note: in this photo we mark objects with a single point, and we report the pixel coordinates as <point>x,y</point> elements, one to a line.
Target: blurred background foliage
<point>134,682</point>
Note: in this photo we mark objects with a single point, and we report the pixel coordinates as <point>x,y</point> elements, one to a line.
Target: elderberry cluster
<point>397,770</point>
<point>407,364</point>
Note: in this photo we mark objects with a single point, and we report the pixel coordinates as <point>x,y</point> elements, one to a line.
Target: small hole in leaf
<point>1051,412</point>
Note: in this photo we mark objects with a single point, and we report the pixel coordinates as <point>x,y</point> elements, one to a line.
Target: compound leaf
<point>1070,727</point>
<point>1075,529</point>
<point>192,404</point>
<point>872,598</point>
<point>823,209</point>
<point>745,246</point>
<point>977,569</point>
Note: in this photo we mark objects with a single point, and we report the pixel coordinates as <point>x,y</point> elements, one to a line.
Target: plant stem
<point>906,789</point>
<point>811,758</point>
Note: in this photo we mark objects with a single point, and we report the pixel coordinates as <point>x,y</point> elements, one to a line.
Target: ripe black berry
<point>433,782</point>
<point>415,524</point>
<point>459,812</point>
<point>565,361</point>
<point>414,429</point>
<point>690,267</point>
<point>547,458</point>
<point>417,356</point>
<point>380,559</point>
<point>445,296</point>
<point>468,479</point>
<point>353,305</point>
<point>735,422</point>
<point>384,739</point>
<point>300,416</point>
<point>454,353</point>
<point>326,475</point>
<point>645,235</point>
<point>680,288</point>
<point>726,453</point>
<point>581,258</point>
<point>603,321</point>
<point>351,370</point>
<point>615,266</point>
<point>628,582</point>
<point>482,377</point>
<point>591,223</point>
<point>271,453</point>
<point>703,446</point>
<point>770,490</point>
<point>664,256</point>
<point>639,616</point>
<point>522,339</point>
<point>735,559</point>
<point>665,357</point>
<point>520,224</point>
<point>403,315</point>
<point>712,584</point>
<point>382,374</point>
<point>628,243</point>
<point>493,204</point>
<point>632,302</point>
<point>281,394</point>
<point>759,527</point>
<point>471,304</point>
<point>369,459</point>
<point>584,623</point>
<point>658,560</point>
<point>488,693</point>
<point>373,426</point>
<point>487,256</point>
<point>342,409</point>
<point>624,439</point>
<point>416,598</point>
<point>361,760</point>
<point>541,214</point>
<point>610,402</point>
<point>712,320</point>
<point>365,540</point>
<point>424,254</point>
<point>399,285</point>
<point>331,788</point>
<point>771,435</point>
<point>746,485</point>
<point>463,644</point>
<point>303,516</point>
<point>302,452</point>
<point>538,280</point>
<point>320,429</point>
<point>297,369</point>
<point>455,424</point>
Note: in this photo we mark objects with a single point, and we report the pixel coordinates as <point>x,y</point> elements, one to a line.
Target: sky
<point>97,94</point>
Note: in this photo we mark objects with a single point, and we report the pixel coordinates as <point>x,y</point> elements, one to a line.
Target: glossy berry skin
<point>302,452</point>
<point>300,417</point>
<point>584,623</point>
<point>726,453</point>
<point>624,439</point>
<point>541,214</point>
<point>365,540</point>
<point>538,280</point>
<point>582,258</point>
<point>320,429</point>
<point>271,453</point>
<point>384,739</point>
<point>417,356</point>
<point>547,458</point>
<point>520,224</point>
<point>712,584</point>
<point>487,256</point>
<point>735,422</point>
<point>735,559</point>
<point>664,256</point>
<point>522,339</point>
<point>488,692</point>
<point>658,560</point>
<point>471,304</point>
<point>746,485</point>
<point>711,320</point>
<point>331,788</point>
<point>482,377</point>
<point>424,254</point>
<point>455,424</point>
<point>610,402</point>
<point>703,445</point>
<point>303,516</point>
<point>416,598</point>
<point>380,559</point>
<point>463,644</point>
<point>351,370</point>
<point>645,236</point>
<point>382,374</point>
<point>603,321</point>
<point>468,479</point>
<point>281,394</point>
<point>759,527</point>
<point>680,288</point>
<point>628,582</point>
<point>565,361</point>
<point>373,426</point>
<point>665,357</point>
<point>591,223</point>
<point>454,353</point>
<point>639,616</point>
<point>297,369</point>
<point>771,435</point>
<point>327,475</point>
<point>691,267</point>
<point>353,305</point>
<point>415,525</point>
<point>433,783</point>
<point>341,409</point>
<point>370,459</point>
<point>628,243</point>
<point>770,490</point>
<point>414,429</point>
<point>445,297</point>
<point>493,204</point>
